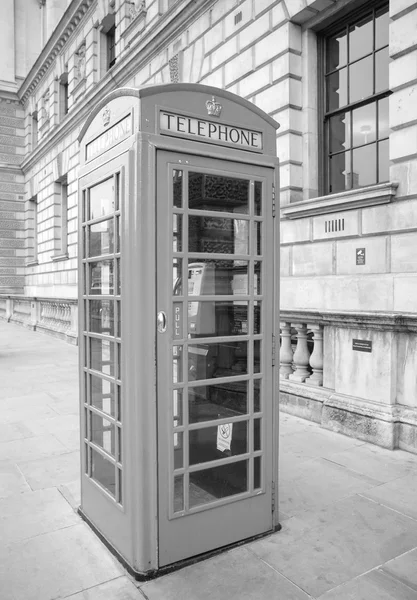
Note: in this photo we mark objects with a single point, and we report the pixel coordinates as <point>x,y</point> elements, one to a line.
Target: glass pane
<point>119,360</point>
<point>382,28</point>
<point>177,409</point>
<point>218,482</point>
<point>257,395</point>
<point>383,118</point>
<point>218,235</point>
<point>217,277</point>
<point>361,79</point>
<point>212,402</point>
<point>258,238</point>
<point>102,317</point>
<point>212,192</point>
<point>340,176</point>
<point>103,433</point>
<point>381,70</point>
<point>102,199</point>
<point>101,277</point>
<point>119,319</point>
<point>119,277</point>
<point>119,474</point>
<point>102,394</point>
<point>210,318</point>
<point>364,124</point>
<point>257,356</point>
<point>118,234</point>
<point>178,450</point>
<point>177,188</point>
<point>207,444</point>
<point>177,358</point>
<point>364,165</point>
<point>177,233</point>
<point>119,402</point>
<point>257,472</point>
<point>103,471</point>
<point>257,278</point>
<point>258,198</point>
<point>178,493</point>
<point>177,276</point>
<point>336,51</point>
<point>339,132</point>
<point>119,435</point>
<point>361,37</point>
<point>101,238</point>
<point>257,318</point>
<point>102,356</point>
<point>336,89</point>
<point>256,434</point>
<point>383,161</point>
<point>206,361</point>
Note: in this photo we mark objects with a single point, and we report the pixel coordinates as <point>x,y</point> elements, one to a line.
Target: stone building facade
<point>340,76</point>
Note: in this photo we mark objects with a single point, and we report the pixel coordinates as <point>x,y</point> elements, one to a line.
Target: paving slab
<point>35,447</point>
<point>34,513</point>
<point>307,489</point>
<point>377,462</point>
<point>399,494</point>
<point>51,471</point>
<point>72,492</point>
<point>336,543</point>
<point>55,565</point>
<point>235,575</point>
<point>12,481</point>
<point>375,585</point>
<point>404,568</point>
<point>117,589</point>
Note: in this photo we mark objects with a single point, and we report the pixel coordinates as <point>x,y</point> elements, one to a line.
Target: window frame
<point>349,20</point>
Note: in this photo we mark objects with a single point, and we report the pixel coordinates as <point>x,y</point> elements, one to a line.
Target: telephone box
<point>178,279</point>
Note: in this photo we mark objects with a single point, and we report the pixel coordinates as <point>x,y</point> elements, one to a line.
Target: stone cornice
<point>381,321</point>
<point>66,26</point>
<point>119,75</point>
<point>381,193</point>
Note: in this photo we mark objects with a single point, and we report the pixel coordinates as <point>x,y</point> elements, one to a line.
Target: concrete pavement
<point>348,509</point>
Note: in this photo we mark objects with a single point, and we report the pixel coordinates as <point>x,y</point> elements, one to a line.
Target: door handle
<point>161,322</point>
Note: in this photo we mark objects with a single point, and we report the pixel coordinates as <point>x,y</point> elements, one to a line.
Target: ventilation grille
<point>238,17</point>
<point>334,225</point>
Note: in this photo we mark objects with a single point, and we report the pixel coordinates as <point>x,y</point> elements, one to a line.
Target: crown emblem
<point>106,116</point>
<point>214,108</point>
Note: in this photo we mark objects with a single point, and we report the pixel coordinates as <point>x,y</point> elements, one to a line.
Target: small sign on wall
<point>362,345</point>
<point>360,256</point>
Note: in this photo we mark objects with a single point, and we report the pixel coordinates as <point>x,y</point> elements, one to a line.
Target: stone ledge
<point>389,426</point>
<point>382,193</point>
<point>379,321</point>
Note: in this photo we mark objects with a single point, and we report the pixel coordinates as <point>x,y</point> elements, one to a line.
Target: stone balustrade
<point>301,355</point>
<point>57,317</point>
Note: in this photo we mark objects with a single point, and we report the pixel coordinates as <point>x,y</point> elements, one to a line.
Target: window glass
<point>356,103</point>
<point>336,51</point>
<point>364,125</point>
<point>361,79</point>
<point>361,38</point>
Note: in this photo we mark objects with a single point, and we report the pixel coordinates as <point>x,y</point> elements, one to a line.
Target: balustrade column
<point>316,358</point>
<point>286,353</point>
<point>301,355</point>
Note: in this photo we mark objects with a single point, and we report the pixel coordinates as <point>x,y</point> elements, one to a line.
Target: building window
<point>63,95</point>
<point>61,218</point>
<point>356,102</point>
<point>35,129</point>
<point>111,47</point>
<point>32,238</point>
